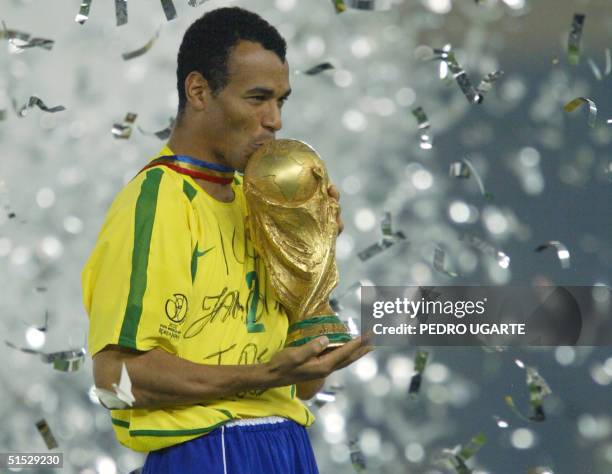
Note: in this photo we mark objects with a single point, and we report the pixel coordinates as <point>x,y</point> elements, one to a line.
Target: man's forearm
<point>309,388</point>
<point>160,379</point>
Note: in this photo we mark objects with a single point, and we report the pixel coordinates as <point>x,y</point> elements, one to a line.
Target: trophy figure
<point>292,223</point>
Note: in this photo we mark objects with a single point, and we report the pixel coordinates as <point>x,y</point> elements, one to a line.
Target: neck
<point>186,140</point>
<point>182,141</point>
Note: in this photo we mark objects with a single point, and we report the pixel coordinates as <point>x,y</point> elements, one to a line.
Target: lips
<point>256,145</point>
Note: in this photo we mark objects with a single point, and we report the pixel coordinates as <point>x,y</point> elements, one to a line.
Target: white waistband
<point>266,420</point>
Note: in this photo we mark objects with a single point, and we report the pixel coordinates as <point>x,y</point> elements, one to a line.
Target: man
<point>174,289</point>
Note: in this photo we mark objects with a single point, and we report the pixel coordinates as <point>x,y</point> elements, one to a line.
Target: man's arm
<point>160,379</point>
<point>307,390</point>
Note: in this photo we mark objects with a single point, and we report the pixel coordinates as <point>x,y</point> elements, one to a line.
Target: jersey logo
<point>204,252</point>
<point>194,260</point>
<point>176,308</point>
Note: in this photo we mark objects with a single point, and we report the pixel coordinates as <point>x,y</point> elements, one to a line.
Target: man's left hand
<point>335,194</point>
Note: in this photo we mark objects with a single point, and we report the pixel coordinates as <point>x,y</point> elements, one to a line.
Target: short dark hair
<point>207,44</point>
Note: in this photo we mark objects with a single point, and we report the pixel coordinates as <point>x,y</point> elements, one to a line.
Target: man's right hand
<point>312,361</point>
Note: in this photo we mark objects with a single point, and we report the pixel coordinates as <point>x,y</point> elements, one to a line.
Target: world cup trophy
<point>293,225</point>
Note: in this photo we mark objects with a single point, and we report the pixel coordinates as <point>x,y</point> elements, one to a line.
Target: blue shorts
<point>247,447</point>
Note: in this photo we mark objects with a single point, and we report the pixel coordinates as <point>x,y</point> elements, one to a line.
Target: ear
<point>197,90</point>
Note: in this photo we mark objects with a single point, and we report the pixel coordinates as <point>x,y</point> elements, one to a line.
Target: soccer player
<point>175,290</point>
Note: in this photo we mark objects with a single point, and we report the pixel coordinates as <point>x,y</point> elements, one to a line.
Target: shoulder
<point>159,180</point>
<point>155,188</point>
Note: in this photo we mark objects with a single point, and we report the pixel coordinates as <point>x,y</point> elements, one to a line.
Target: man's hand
<point>311,361</point>
<point>335,194</point>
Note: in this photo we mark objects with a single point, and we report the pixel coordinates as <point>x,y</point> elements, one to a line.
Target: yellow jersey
<point>173,268</point>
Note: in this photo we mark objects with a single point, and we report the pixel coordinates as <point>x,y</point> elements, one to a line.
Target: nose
<point>272,117</point>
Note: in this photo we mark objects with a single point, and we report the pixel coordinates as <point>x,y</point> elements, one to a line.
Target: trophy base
<point>306,330</point>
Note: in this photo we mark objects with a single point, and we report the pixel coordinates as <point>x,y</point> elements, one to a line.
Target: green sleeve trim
<point>293,391</point>
<point>195,431</point>
<point>189,190</point>
<point>144,217</point>
<point>123,424</point>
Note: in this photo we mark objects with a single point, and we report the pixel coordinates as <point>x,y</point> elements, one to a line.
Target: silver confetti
<point>573,42</point>
<point>448,57</point>
<point>419,367</point>
<point>42,328</point>
<point>64,361</point>
<point>36,101</point>
<point>68,365</point>
<point>459,169</point>
<point>47,435</point>
<point>373,250</point>
<point>83,14</point>
<point>458,456</point>
<point>121,12</point>
<point>449,63</point>
<point>423,124</point>
<point>357,457</point>
<point>385,226</point>
<point>595,69</point>
<point>438,263</point>
<point>142,50</point>
<point>460,172</point>
<point>13,34</point>
<point>124,130</point>
<point>169,9</point>
<point>162,134</point>
<point>577,102</point>
<point>361,4</point>
<point>538,390</point>
<point>503,260</point>
<point>318,69</point>
<point>487,83</point>
<point>441,54</point>
<point>35,43</point>
<point>562,252</point>
<point>20,41</point>
<point>389,238</point>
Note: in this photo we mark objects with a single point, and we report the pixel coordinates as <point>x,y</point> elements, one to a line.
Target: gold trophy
<point>292,223</point>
